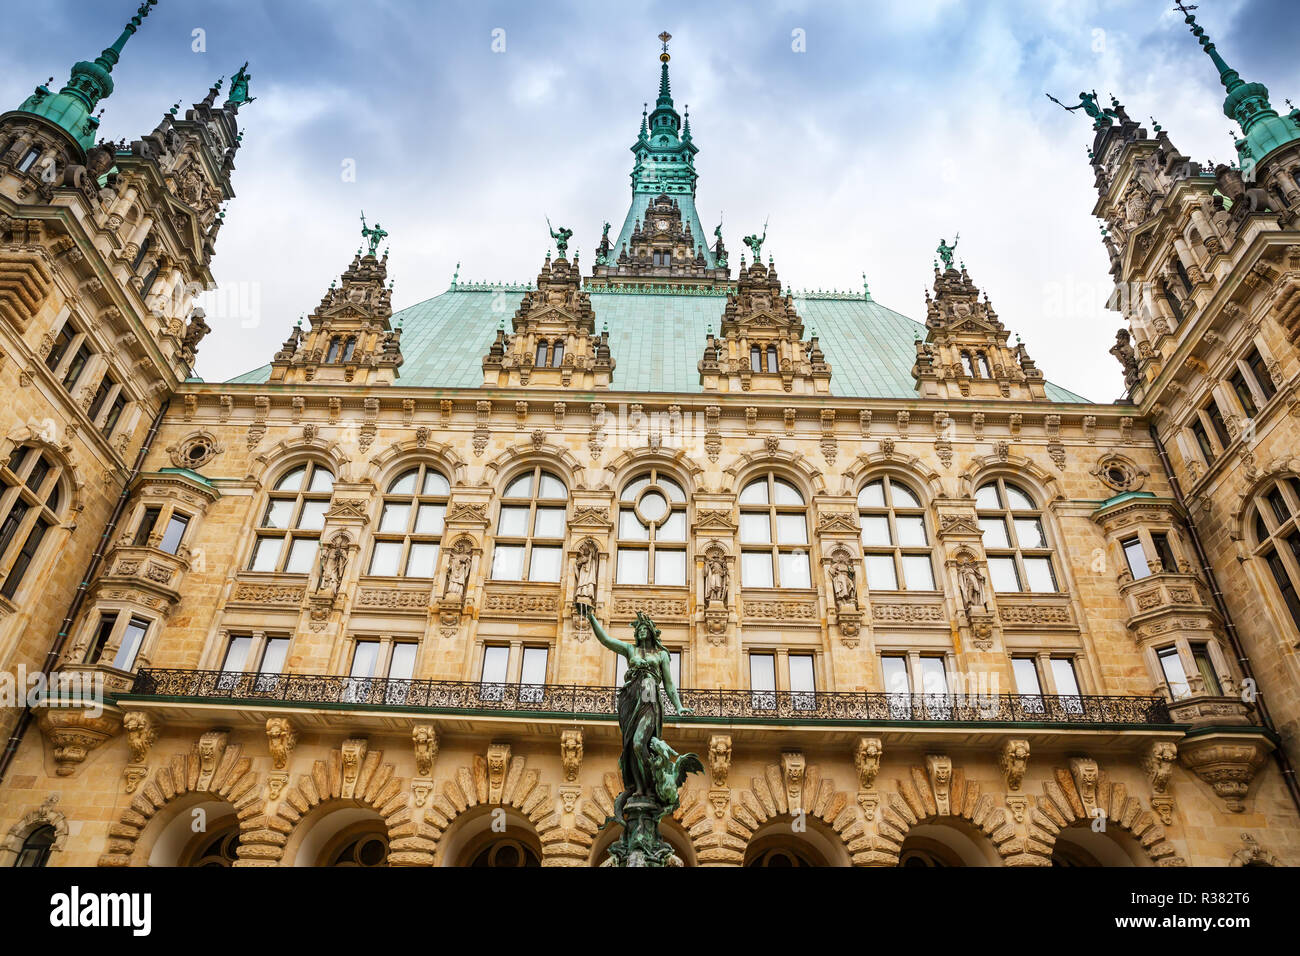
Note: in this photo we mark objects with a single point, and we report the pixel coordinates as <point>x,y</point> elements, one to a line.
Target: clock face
<point>661,225</point>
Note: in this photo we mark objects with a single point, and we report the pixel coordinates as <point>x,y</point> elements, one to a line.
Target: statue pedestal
<point>640,844</point>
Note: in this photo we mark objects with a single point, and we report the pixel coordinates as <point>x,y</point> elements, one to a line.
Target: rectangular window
<point>1259,368</point>
<point>102,634</point>
<point>756,569</point>
<point>421,560</point>
<point>25,558</point>
<point>1205,666</point>
<point>171,539</point>
<point>508,562</point>
<point>670,567</point>
<point>1283,579</point>
<point>545,564</point>
<point>266,554</point>
<point>1067,683</point>
<point>76,367</point>
<point>364,657</point>
<point>384,559</point>
<point>146,527</point>
<point>131,641</point>
<point>918,572</point>
<point>803,687</point>
<point>1165,553</point>
<point>1137,558</point>
<point>114,413</point>
<point>1243,393</point>
<point>1203,441</point>
<point>495,659</point>
<point>532,675</point>
<point>61,342</point>
<point>1003,573</point>
<point>1215,416</point>
<point>762,681</point>
<point>236,652</point>
<point>880,572</point>
<point>1172,667</point>
<point>1025,670</point>
<point>898,685</point>
<point>1042,578</point>
<point>101,396</point>
<point>274,655</point>
<point>795,570</point>
<point>633,566</point>
<point>934,685</point>
<point>302,556</point>
<point>401,666</point>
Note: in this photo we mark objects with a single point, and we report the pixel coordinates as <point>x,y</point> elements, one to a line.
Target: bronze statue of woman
<point>651,770</point>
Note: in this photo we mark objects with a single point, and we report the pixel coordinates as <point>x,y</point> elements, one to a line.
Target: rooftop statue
<point>652,771</point>
<point>561,237</point>
<point>375,235</point>
<point>1088,103</point>
<point>755,243</point>
<point>946,251</point>
<point>239,87</point>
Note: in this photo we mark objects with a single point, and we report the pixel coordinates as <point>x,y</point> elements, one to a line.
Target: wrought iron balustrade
<point>601,702</point>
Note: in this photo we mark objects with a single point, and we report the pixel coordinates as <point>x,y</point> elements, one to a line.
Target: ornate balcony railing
<point>601,702</point>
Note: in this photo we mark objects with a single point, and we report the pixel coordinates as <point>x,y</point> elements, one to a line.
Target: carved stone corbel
<point>1159,766</point>
<point>719,768</point>
<point>425,739</point>
<point>1084,772</point>
<point>141,733</point>
<point>281,738</point>
<point>498,762</point>
<point>866,758</point>
<point>1227,762</point>
<point>571,754</point>
<point>210,748</point>
<point>1014,761</point>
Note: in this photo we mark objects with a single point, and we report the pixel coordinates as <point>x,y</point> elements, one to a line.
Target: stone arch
<point>1281,467</point>
<point>792,465</point>
<point>499,779</point>
<point>385,463</point>
<point>213,767</point>
<point>502,467</point>
<point>1062,806</point>
<point>940,793</point>
<point>472,830</point>
<point>351,773</point>
<point>43,816</point>
<point>1042,482</point>
<point>1252,854</point>
<point>68,476</point>
<point>775,795</point>
<point>290,451</point>
<point>904,466</point>
<point>627,464</point>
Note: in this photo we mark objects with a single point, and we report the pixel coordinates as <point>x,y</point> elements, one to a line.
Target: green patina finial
<point>866,289</point>
<point>90,81</point>
<point>945,252</point>
<point>239,88</point>
<point>561,238</point>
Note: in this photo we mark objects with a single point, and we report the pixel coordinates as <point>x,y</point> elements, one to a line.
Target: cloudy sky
<point>890,126</point>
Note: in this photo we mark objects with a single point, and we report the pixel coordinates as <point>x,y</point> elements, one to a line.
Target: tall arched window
<point>895,543</point>
<point>557,353</point>
<point>1277,538</point>
<point>349,347</point>
<point>37,847</point>
<point>772,364</point>
<point>289,533</point>
<point>529,544</point>
<point>31,502</point>
<point>773,535</point>
<point>652,531</point>
<point>1015,540</point>
<point>335,349</point>
<point>410,524</point>
<point>543,348</point>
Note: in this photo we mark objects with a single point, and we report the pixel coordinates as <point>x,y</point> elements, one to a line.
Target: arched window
<point>506,853</point>
<point>220,850</point>
<point>37,847</point>
<point>542,354</point>
<point>529,544</point>
<point>755,359</point>
<point>1277,538</point>
<point>31,501</point>
<point>370,849</point>
<point>349,347</point>
<point>982,365</point>
<point>1020,558</point>
<point>652,531</point>
<point>773,535</point>
<point>336,347</point>
<point>557,353</point>
<point>289,533</point>
<point>772,364</point>
<point>410,525</point>
<point>966,365</point>
<point>895,543</point>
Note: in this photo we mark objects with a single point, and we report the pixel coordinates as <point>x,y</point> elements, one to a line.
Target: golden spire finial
<point>664,38</point>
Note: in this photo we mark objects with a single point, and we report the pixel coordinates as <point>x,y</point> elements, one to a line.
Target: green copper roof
<point>658,339</point>
<point>73,106</point>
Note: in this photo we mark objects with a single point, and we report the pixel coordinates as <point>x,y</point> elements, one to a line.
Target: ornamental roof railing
<point>573,700</point>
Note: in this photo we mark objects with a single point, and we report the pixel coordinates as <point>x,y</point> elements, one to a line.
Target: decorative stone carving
<point>866,758</point>
<point>1159,766</point>
<point>1227,762</point>
<point>717,578</point>
<point>1014,761</point>
<point>425,739</point>
<point>792,773</point>
<point>571,754</point>
<point>939,768</point>
<point>353,753</point>
<point>459,563</point>
<point>210,748</point>
<point>720,758</point>
<point>333,563</point>
<point>586,563</point>
<point>844,585</point>
<point>281,738</point>
<point>498,762</point>
<point>141,733</point>
<point>195,450</point>
<point>1252,854</point>
<point>1084,771</point>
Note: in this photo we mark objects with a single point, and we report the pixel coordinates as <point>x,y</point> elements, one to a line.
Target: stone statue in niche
<point>842,583</point>
<point>584,573</point>
<point>715,579</point>
<point>458,567</point>
<point>333,564</point>
<point>971,580</point>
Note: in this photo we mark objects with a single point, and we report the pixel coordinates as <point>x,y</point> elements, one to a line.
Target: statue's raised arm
<point>615,645</point>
